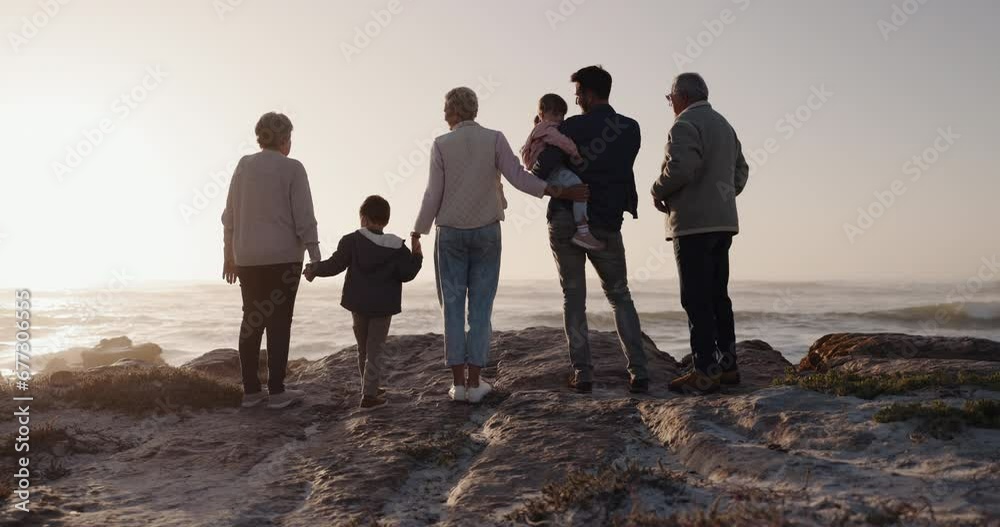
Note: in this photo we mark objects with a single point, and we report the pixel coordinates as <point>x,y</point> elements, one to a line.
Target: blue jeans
<point>467,264</point>
<point>564,177</point>
<point>610,266</point>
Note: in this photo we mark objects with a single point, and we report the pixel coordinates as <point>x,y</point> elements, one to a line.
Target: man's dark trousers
<point>703,269</point>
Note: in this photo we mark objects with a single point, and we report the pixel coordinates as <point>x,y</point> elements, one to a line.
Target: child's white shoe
<point>457,393</point>
<point>477,393</point>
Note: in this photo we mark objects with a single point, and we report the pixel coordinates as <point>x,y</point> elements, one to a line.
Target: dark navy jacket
<point>377,265</point>
<point>609,143</point>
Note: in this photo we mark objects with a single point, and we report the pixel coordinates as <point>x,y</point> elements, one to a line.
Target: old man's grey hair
<point>462,102</point>
<point>691,86</point>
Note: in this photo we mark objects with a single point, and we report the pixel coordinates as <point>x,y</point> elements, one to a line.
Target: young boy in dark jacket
<point>377,264</point>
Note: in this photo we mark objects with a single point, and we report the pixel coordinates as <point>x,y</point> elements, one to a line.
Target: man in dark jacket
<point>703,172</point>
<point>608,143</point>
<point>377,264</point>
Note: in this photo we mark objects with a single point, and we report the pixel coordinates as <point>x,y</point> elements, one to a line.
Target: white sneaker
<point>477,393</point>
<point>457,393</point>
<point>285,398</point>
<point>253,399</point>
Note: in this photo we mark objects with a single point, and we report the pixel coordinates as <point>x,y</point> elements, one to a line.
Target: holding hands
<point>415,244</point>
<point>309,271</point>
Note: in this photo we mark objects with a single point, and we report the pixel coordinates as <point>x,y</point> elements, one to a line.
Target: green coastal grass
<point>872,386</point>
<point>134,391</point>
<point>942,421</point>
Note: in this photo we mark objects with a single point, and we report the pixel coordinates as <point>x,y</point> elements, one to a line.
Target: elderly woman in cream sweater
<point>464,197</point>
<point>268,224</point>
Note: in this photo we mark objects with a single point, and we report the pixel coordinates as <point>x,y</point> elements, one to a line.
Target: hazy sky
<point>177,86</point>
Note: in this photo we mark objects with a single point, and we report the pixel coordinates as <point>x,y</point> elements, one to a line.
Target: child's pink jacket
<point>546,133</point>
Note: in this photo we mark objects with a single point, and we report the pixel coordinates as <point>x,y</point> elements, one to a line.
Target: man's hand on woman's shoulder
<point>574,193</point>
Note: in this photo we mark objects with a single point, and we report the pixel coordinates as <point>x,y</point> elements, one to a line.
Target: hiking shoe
<point>638,385</point>
<point>729,377</point>
<point>253,399</point>
<point>457,393</point>
<point>579,386</point>
<point>380,392</point>
<point>368,403</point>
<point>285,398</point>
<point>477,393</point>
<point>587,241</point>
<point>694,382</point>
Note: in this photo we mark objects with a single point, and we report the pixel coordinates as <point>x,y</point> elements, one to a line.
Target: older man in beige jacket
<point>702,174</point>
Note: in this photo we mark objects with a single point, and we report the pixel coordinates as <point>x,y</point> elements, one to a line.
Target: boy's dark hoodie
<point>377,264</point>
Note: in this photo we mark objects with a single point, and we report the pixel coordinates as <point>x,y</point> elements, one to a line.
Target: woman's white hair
<point>462,103</point>
<point>273,130</point>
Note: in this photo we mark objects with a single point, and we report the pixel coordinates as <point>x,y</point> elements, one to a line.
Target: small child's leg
<point>565,177</point>
<point>361,335</point>
<point>580,216</point>
<point>378,331</point>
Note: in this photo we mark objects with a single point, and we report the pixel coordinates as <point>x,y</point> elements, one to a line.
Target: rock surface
<point>423,460</point>
<point>105,353</point>
<point>835,349</point>
<point>224,363</point>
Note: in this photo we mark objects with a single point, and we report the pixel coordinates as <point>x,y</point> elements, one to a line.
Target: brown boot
<point>694,382</point>
<point>729,377</point>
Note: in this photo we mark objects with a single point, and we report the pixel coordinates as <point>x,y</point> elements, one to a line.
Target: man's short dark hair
<point>553,103</point>
<point>376,209</point>
<point>595,79</point>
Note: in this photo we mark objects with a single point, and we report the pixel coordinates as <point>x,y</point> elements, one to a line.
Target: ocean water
<point>189,320</point>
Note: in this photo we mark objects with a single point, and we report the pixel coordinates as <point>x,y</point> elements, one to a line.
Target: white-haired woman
<point>268,224</point>
<point>464,197</point>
